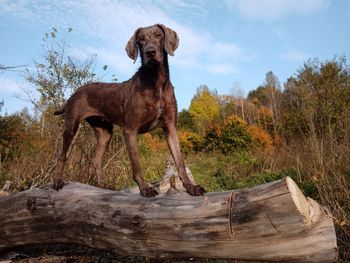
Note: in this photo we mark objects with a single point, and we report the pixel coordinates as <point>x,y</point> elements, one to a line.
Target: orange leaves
<point>260,136</point>
<point>226,136</point>
<point>154,142</point>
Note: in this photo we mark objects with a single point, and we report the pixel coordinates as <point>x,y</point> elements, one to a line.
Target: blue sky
<point>228,45</point>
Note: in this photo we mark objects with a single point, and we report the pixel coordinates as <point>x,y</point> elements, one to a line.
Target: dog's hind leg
<point>103,131</point>
<point>70,129</point>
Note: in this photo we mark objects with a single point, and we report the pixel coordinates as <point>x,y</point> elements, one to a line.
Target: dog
<point>139,105</point>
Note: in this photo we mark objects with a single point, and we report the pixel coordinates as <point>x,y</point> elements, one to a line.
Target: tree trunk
<point>270,222</point>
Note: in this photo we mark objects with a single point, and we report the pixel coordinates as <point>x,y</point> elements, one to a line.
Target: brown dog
<point>139,105</point>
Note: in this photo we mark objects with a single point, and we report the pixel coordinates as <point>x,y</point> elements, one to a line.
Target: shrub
<point>260,136</point>
<point>152,141</point>
<point>233,135</point>
<point>190,141</point>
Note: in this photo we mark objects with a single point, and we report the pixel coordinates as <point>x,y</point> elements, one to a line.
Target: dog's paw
<point>58,184</point>
<point>195,190</point>
<point>149,192</point>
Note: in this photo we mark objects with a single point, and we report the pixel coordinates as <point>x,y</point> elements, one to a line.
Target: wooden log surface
<point>270,222</point>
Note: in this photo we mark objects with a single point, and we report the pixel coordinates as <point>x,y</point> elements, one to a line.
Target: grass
<point>218,172</point>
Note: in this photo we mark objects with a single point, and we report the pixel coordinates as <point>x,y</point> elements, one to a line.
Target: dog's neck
<point>154,75</point>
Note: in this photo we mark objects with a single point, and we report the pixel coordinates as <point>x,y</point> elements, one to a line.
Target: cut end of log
<point>300,200</point>
<point>307,207</point>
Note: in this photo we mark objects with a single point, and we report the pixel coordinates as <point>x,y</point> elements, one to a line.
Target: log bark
<point>270,222</point>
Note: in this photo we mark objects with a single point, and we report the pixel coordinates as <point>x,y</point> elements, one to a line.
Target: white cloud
<point>114,57</point>
<point>196,47</point>
<point>11,86</point>
<point>190,62</point>
<point>108,24</point>
<point>184,8</point>
<point>294,56</point>
<point>222,69</point>
<point>275,9</point>
<point>227,51</point>
<point>19,8</point>
<point>13,95</point>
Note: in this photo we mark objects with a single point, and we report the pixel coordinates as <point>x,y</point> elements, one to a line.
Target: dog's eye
<point>158,35</point>
<point>142,39</point>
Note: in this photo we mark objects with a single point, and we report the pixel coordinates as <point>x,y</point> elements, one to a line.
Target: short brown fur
<point>139,105</point>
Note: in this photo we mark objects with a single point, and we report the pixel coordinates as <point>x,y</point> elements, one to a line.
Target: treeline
<point>300,128</point>
<point>314,103</point>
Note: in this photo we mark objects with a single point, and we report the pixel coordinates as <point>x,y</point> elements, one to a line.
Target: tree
<point>317,99</point>
<point>204,108</point>
<point>57,77</point>
<point>60,73</point>
<point>270,95</point>
<point>4,68</point>
<point>259,95</point>
<point>185,120</point>
<point>53,80</point>
<point>232,135</point>
<point>13,134</point>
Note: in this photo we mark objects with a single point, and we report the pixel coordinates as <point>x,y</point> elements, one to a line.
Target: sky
<point>228,45</point>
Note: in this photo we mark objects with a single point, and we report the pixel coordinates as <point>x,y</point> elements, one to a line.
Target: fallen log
<point>270,222</point>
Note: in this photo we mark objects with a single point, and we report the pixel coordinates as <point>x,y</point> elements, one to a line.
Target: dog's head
<point>152,42</point>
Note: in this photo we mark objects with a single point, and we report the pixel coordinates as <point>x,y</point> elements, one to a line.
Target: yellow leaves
<point>234,118</point>
<point>204,107</point>
<point>189,140</point>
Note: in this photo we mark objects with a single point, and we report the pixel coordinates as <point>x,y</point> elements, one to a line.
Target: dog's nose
<point>151,52</point>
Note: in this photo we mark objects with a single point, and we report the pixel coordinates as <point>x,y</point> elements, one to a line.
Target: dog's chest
<point>153,116</point>
<point>154,110</point>
<point>159,111</point>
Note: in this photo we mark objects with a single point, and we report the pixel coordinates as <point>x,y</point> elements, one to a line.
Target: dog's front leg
<point>131,144</point>
<point>174,147</point>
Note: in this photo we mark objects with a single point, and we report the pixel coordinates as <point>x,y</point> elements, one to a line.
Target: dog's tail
<point>60,110</point>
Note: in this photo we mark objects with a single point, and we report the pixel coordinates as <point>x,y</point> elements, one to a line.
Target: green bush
<point>222,179</point>
<point>233,135</point>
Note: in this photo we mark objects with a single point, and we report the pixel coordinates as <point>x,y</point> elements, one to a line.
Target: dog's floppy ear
<point>131,47</point>
<point>171,41</point>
